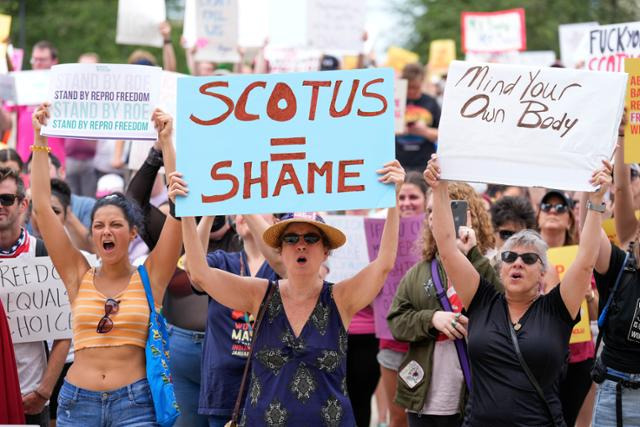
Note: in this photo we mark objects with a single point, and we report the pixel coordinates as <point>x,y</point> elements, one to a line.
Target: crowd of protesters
<point>481,324</point>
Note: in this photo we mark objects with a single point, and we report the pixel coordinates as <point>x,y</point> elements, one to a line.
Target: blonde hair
<point>480,221</point>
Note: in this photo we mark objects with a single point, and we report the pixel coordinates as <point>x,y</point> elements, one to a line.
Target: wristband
<point>172,211</point>
<point>40,148</point>
<point>40,395</point>
<point>598,208</point>
<point>167,41</point>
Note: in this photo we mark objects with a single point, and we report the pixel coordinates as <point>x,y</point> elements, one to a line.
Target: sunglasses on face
<point>7,199</point>
<point>309,238</point>
<point>505,234</point>
<point>528,258</point>
<point>559,208</point>
<point>106,324</point>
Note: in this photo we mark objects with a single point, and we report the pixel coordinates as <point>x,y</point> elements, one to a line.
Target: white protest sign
<point>570,37</point>
<point>289,60</point>
<point>35,300</point>
<point>336,24</point>
<point>494,31</point>
<point>400,104</point>
<point>507,57</point>
<point>537,58</point>
<point>103,101</point>
<point>139,22</point>
<point>189,35</point>
<point>7,87</point>
<point>352,257</point>
<point>32,87</point>
<point>609,45</point>
<point>528,126</point>
<point>217,30</point>
<point>254,22</point>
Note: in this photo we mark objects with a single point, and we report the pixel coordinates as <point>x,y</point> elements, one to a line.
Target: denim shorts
<point>131,405</point>
<point>604,412</point>
<point>390,359</point>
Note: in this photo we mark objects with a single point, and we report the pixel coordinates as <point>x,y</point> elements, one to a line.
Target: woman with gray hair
<point>518,340</point>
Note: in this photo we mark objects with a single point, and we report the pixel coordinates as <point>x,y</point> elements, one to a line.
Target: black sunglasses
<point>505,234</point>
<point>528,258</point>
<point>559,208</point>
<point>309,238</point>
<point>7,199</point>
<point>106,324</point>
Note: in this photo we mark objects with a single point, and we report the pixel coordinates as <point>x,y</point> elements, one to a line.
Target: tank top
<point>299,381</point>
<point>130,322</point>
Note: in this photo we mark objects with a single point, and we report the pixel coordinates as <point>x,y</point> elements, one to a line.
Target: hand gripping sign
<point>290,142</point>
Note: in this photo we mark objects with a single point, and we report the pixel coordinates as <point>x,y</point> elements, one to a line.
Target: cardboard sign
<point>573,48</point>
<point>441,53</point>
<point>336,24</point>
<point>35,300</point>
<point>139,22</point>
<point>346,261</point>
<point>528,126</point>
<point>409,253</point>
<point>632,102</point>
<point>609,45</point>
<point>217,30</point>
<point>29,87</point>
<point>103,101</point>
<point>291,60</point>
<point>494,31</point>
<point>398,57</point>
<point>291,142</point>
<point>562,258</point>
<point>400,104</point>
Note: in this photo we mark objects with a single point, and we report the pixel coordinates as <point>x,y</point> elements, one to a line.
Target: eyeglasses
<point>634,174</point>
<point>559,208</point>
<point>505,234</point>
<point>7,199</point>
<point>528,258</point>
<point>309,238</point>
<point>106,324</point>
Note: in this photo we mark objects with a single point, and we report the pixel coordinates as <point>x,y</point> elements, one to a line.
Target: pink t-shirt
<point>362,322</point>
<point>24,137</point>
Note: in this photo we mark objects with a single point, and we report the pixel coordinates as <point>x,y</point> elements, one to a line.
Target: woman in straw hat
<point>299,356</point>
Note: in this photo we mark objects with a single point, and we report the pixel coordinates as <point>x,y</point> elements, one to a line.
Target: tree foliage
<point>440,19</point>
<point>78,26</point>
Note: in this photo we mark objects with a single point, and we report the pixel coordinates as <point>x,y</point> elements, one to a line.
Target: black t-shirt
<point>502,394</point>
<point>622,331</point>
<point>414,151</point>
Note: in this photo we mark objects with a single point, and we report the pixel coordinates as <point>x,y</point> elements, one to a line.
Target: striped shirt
<point>130,322</point>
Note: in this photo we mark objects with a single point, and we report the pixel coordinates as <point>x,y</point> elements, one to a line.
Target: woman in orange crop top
<point>107,382</point>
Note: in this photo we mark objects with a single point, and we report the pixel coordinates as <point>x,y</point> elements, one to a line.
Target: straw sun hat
<point>271,235</point>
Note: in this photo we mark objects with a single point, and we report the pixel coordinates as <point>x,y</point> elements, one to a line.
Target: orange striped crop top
<point>130,322</point>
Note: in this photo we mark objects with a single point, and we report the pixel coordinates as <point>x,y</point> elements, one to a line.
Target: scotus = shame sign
<point>34,299</point>
<point>290,142</point>
<point>103,101</point>
<point>607,46</point>
<point>528,126</point>
<point>409,248</point>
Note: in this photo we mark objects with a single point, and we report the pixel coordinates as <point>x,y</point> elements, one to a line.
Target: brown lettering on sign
<point>347,108</point>
<point>222,176</point>
<point>262,179</point>
<point>241,105</point>
<point>287,169</point>
<point>225,99</point>
<point>343,175</point>
<point>325,170</point>
<point>315,88</point>
<point>281,91</point>
<point>368,94</point>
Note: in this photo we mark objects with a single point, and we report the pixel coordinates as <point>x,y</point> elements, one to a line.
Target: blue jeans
<point>131,405</point>
<point>185,348</point>
<point>604,413</point>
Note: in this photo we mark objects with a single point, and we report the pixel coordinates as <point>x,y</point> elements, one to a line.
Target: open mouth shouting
<point>301,260</point>
<point>108,245</point>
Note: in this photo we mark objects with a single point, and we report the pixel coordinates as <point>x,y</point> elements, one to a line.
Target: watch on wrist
<point>598,208</point>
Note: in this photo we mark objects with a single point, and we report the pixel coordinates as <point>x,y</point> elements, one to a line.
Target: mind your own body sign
<point>528,126</point>
<point>289,142</point>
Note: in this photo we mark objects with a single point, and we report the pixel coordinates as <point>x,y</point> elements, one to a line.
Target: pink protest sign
<point>409,252</point>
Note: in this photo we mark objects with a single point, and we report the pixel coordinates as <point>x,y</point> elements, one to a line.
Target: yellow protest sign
<point>632,102</point>
<point>349,62</point>
<point>562,258</point>
<point>398,57</point>
<point>5,27</point>
<point>609,227</point>
<point>441,53</point>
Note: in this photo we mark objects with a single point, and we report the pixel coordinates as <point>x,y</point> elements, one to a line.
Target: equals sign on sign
<point>277,142</point>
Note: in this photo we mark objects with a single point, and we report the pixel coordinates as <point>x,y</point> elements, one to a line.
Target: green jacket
<point>409,320</point>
